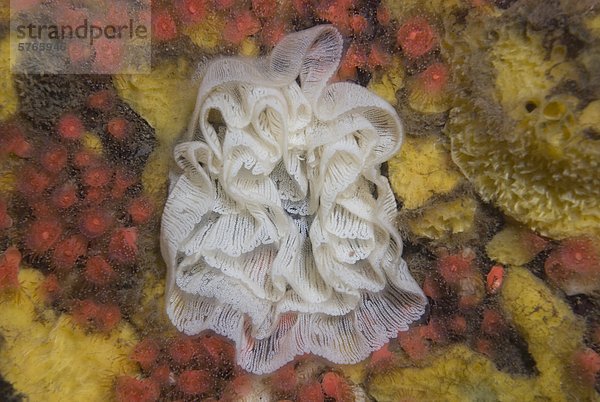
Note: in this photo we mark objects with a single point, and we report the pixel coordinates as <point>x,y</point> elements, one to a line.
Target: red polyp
<point>241,26</point>
<point>54,158</point>
<point>64,196</point>
<point>383,15</point>
<point>123,181</point>
<point>434,330</point>
<point>578,254</point>
<point>108,317</point>
<point>70,127</point>
<point>108,55</point>
<point>455,267</point>
<point>413,344</point>
<point>355,56</point>
<point>43,234</point>
<point>264,8</point>
<point>336,13</point>
<point>123,247</point>
<point>51,288</point>
<point>272,32</point>
<point>382,358</point>
<point>66,15</point>
<point>146,353</point>
<point>358,24</point>
<point>32,182</point>
<point>103,100</point>
<point>378,57</point>
<point>97,176</point>
<point>585,365</point>
<point>458,324</point>
<point>432,288</point>
<point>434,79</point>
<point>99,272</point>
<point>5,219</point>
<point>416,37</point>
<point>140,209</point>
<point>162,375</point>
<point>232,34</point>
<point>116,12</point>
<point>41,208</point>
<point>190,12</point>
<point>336,387</point>
<point>238,388</point>
<point>311,391</point>
<point>353,59</point>
<point>163,26</point>
<point>68,251</point>
<point>574,265</point>
<point>182,350</point>
<point>219,353</point>
<point>12,140</point>
<point>285,380</point>
<point>118,128</point>
<point>484,346</point>
<point>21,147</point>
<point>492,322</point>
<point>84,158</point>
<point>129,389</point>
<point>302,7</point>
<point>94,195</point>
<point>94,222</point>
<point>85,312</point>
<point>9,268</point>
<point>247,23</point>
<point>195,382</point>
<point>223,4</point>
<point>79,52</point>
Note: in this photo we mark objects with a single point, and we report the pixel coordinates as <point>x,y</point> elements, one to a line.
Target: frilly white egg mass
<point>279,230</point>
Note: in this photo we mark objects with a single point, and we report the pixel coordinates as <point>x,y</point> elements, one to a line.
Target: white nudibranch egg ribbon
<point>279,229</point>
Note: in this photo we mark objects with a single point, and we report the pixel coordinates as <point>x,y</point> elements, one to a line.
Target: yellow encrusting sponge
<point>48,358</point>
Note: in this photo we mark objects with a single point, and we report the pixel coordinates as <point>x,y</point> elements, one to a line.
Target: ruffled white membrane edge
<point>362,312</point>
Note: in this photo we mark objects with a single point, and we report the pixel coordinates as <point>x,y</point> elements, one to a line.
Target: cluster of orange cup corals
<point>372,36</point>
<point>419,40</point>
<point>181,367</point>
<point>266,20</point>
<point>203,368</point>
<point>463,308</point>
<point>573,266</point>
<point>289,383</point>
<point>79,213</point>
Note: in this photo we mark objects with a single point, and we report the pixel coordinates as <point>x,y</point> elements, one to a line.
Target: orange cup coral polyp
<point>279,228</point>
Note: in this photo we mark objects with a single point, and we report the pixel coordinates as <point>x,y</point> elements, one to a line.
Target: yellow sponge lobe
<point>48,358</point>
